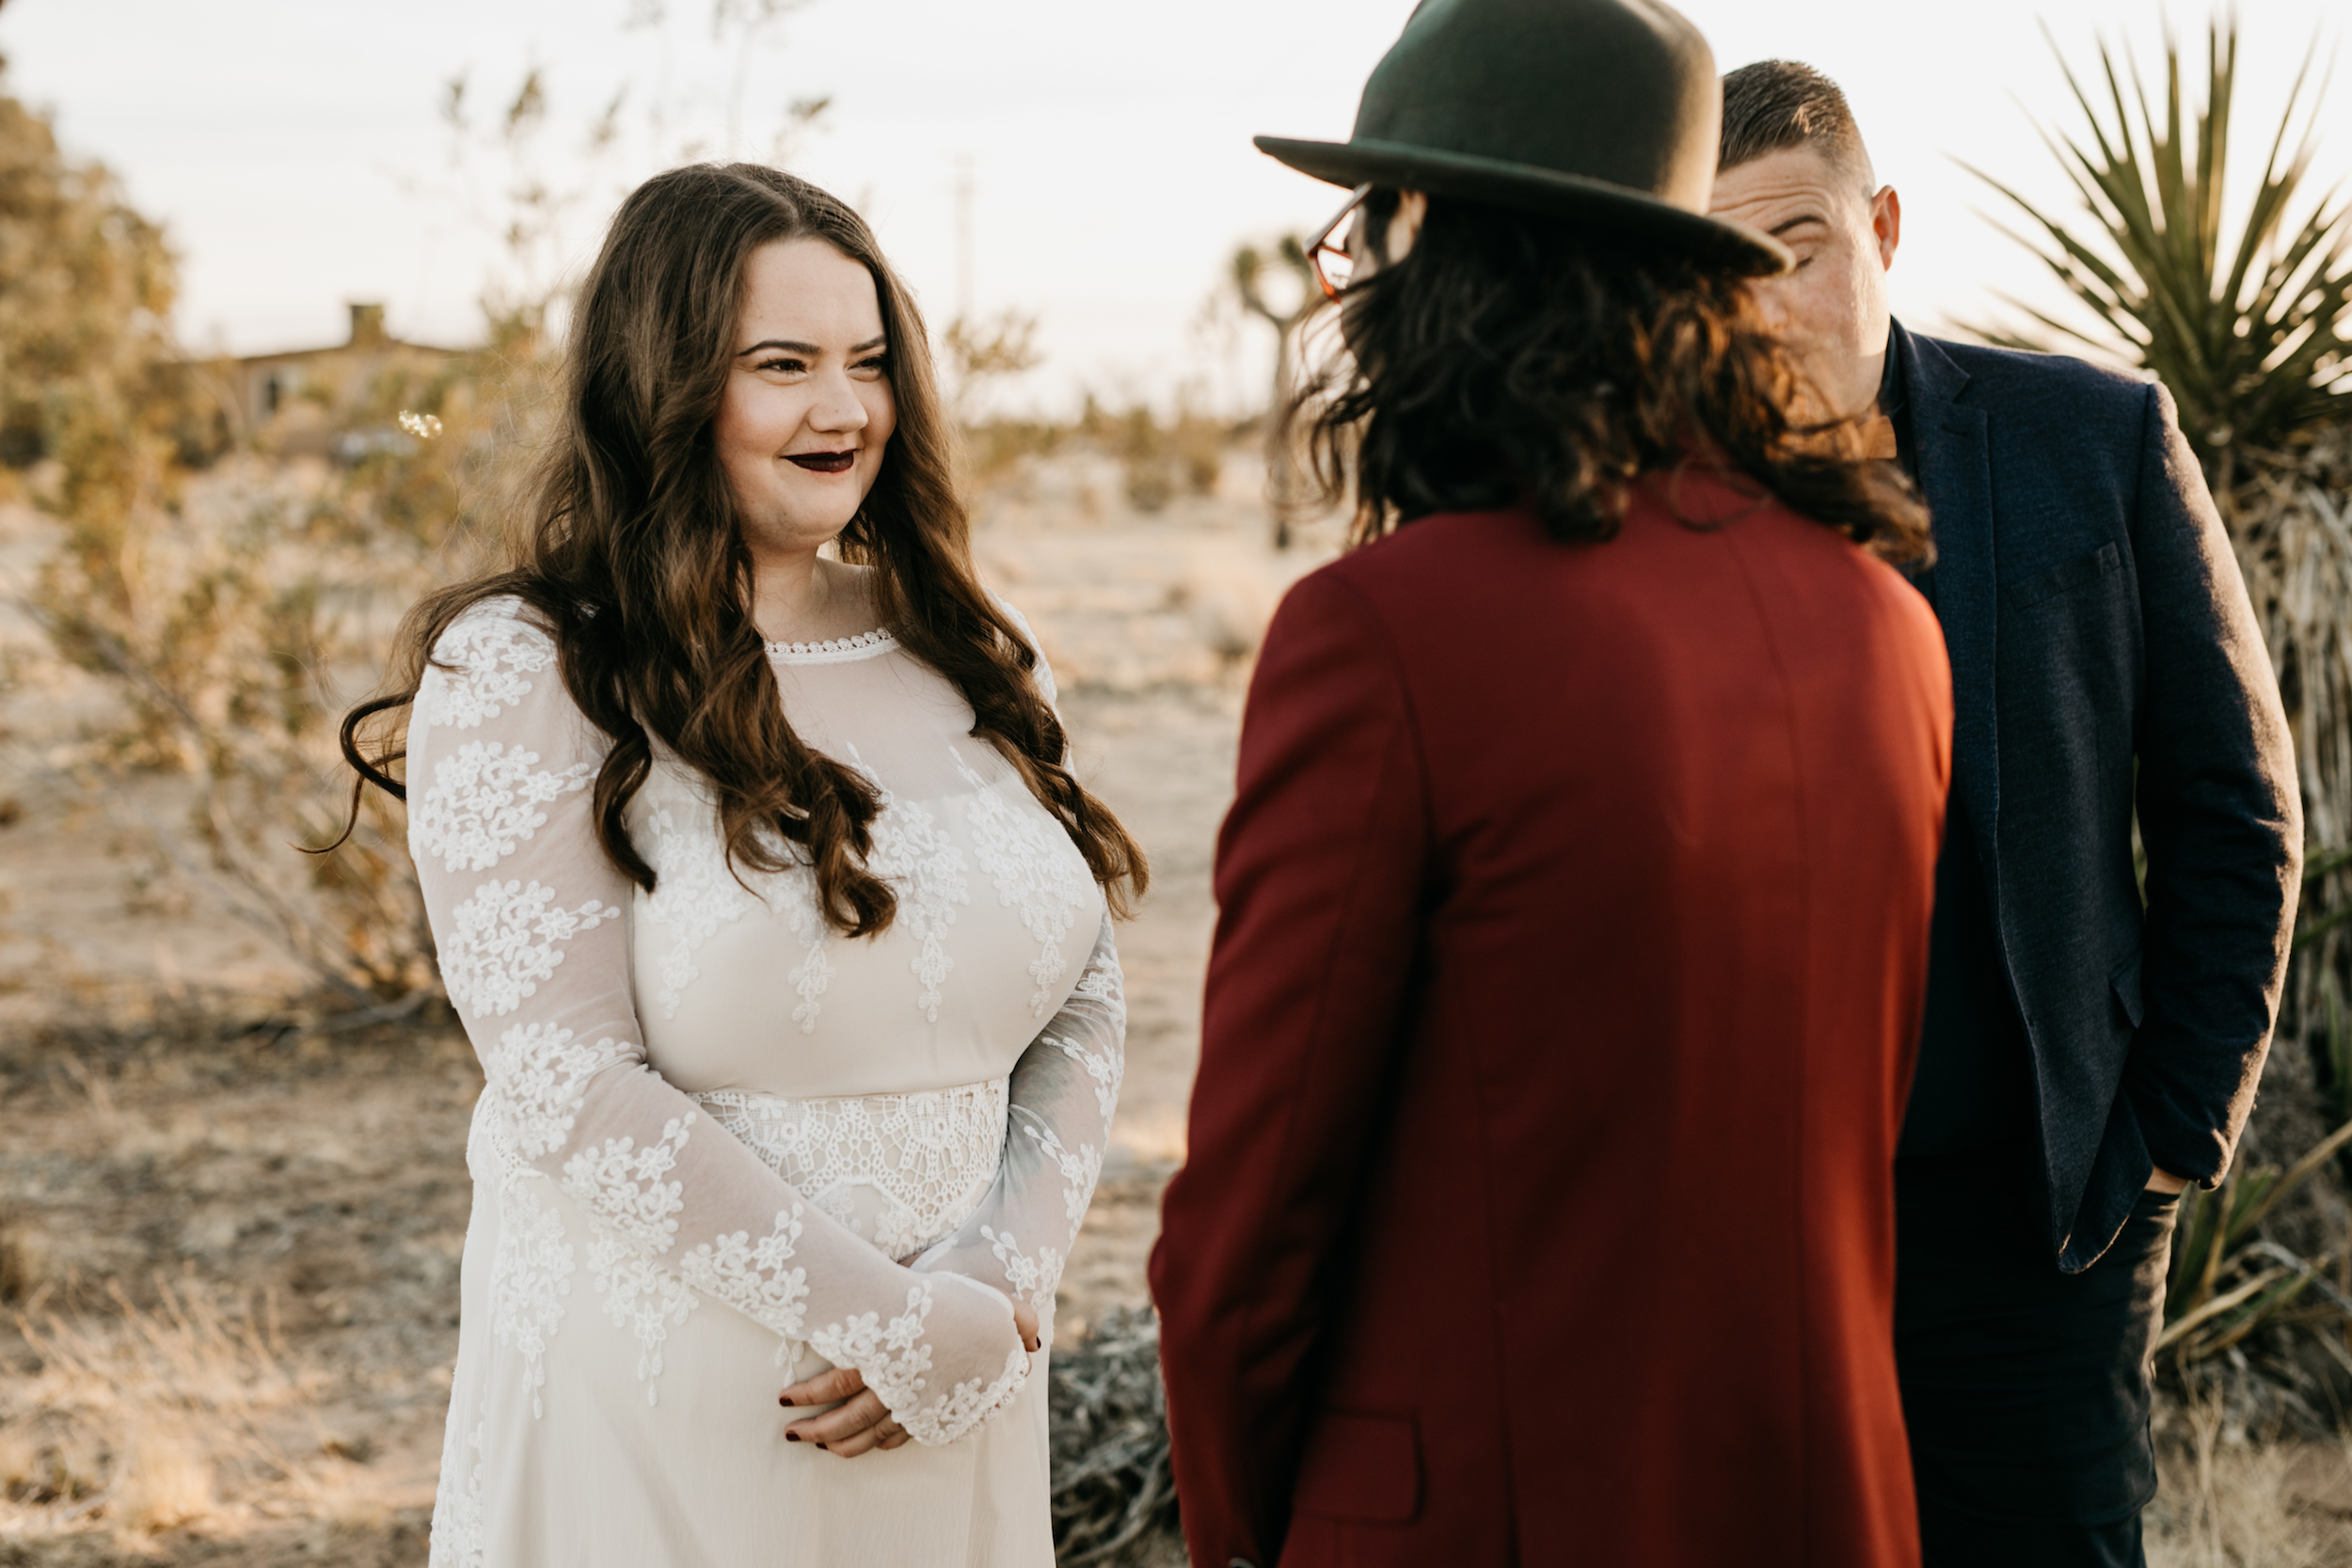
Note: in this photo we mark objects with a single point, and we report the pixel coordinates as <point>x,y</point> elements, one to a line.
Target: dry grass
<point>188,1414</point>
<point>2229,1501</point>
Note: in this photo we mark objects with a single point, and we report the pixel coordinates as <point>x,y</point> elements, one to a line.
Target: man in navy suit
<point>2085,1054</point>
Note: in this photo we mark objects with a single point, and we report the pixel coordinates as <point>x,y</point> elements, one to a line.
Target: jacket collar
<point>1955,470</point>
<point>1931,376</point>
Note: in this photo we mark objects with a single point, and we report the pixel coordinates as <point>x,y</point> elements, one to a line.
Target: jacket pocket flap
<point>2064,578</point>
<point>2125,982</point>
<point>1360,1466</point>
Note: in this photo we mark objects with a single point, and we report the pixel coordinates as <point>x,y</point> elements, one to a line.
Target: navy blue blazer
<point>2105,654</point>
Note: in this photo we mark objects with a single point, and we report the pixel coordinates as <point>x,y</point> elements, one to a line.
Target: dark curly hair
<point>1512,356</point>
<point>635,562</point>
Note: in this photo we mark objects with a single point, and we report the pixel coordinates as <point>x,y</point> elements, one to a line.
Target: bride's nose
<point>838,410</point>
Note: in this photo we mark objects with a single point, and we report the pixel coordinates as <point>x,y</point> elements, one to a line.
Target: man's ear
<point>1887,224</point>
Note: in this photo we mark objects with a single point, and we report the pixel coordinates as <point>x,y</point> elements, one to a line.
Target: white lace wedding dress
<point>715,1133</point>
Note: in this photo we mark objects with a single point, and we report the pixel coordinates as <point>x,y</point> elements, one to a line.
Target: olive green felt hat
<point>1603,110</point>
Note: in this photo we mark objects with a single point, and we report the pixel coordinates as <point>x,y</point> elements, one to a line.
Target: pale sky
<point>296,153</point>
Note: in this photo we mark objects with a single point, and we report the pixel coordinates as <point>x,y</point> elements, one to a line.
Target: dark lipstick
<point>823,462</point>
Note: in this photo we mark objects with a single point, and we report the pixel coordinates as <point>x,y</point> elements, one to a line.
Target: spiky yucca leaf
<point>2249,330</point>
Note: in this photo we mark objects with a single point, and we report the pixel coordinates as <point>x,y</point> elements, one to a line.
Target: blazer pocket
<point>2064,578</point>
<point>1360,1466</point>
<point>2124,982</point>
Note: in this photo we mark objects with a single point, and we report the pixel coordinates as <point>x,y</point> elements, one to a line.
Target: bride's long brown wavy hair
<point>1511,356</point>
<point>633,558</point>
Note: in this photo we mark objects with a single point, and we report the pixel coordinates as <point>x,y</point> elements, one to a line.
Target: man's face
<point>1830,309</point>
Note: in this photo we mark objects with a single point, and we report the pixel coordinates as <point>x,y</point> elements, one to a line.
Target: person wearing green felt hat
<point>1574,902</point>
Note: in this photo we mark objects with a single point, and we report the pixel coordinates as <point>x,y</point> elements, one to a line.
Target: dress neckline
<point>837,650</point>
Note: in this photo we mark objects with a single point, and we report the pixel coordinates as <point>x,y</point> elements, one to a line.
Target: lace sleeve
<point>527,911</point>
<point>1064,1089</point>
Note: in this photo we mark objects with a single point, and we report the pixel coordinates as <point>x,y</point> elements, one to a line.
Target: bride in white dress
<point>782,933</point>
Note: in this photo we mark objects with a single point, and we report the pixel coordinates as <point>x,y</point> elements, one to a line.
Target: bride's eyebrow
<point>806,348</point>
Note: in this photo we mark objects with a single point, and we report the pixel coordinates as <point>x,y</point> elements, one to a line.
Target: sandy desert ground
<point>229,1244</point>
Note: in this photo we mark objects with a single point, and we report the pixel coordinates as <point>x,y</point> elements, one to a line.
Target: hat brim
<point>1732,246</point>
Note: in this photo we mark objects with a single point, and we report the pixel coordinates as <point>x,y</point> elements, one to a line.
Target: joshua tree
<point>1251,269</point>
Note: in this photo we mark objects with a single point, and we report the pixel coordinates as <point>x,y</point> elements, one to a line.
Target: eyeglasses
<point>1334,267</point>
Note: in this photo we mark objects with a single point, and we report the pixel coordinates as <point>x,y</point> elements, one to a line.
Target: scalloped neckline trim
<point>838,650</point>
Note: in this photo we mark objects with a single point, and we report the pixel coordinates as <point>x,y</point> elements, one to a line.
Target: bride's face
<point>808,409</point>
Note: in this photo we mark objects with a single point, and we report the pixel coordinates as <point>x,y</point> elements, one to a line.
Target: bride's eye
<point>878,363</point>
<point>788,366</point>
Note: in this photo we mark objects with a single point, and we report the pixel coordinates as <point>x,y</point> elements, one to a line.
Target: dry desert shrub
<point>234,619</point>
<point>226,615</point>
<point>1114,1491</point>
<point>148,1420</point>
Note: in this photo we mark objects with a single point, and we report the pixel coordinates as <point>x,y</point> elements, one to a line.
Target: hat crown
<point>1619,91</point>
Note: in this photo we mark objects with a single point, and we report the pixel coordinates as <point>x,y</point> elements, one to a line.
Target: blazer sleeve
<point>2220,816</point>
<point>1320,876</point>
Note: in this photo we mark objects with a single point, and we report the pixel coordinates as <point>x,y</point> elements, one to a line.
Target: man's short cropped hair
<point>1775,104</point>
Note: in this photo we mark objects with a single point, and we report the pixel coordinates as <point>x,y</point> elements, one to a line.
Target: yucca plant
<point>2248,329</point>
<point>2227,1279</point>
<point>2245,320</point>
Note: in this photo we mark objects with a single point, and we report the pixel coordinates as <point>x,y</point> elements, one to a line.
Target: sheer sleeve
<point>529,916</point>
<point>1063,1091</point>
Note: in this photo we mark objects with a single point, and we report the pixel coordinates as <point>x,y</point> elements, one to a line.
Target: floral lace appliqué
<point>639,1295</point>
<point>529,1276</point>
<point>621,1185</point>
<point>1037,870</point>
<point>458,1523</point>
<point>814,973</point>
<point>483,800</point>
<point>751,1276</point>
<point>1033,1280</point>
<point>901,1170</point>
<point>507,938</point>
<point>695,893</point>
<point>481,667</point>
<point>1106,1069</point>
<point>893,1359</point>
<point>1080,1170</point>
<point>536,1077</point>
<point>911,850</point>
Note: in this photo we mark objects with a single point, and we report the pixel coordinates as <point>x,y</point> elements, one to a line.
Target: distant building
<point>335,401</point>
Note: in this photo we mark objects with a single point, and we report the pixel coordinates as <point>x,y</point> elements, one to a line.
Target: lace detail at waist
<point>903,1170</point>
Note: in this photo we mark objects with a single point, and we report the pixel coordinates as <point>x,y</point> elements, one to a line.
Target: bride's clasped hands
<point>859,1421</point>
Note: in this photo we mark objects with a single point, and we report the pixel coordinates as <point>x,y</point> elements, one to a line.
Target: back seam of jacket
<point>1804,1029</point>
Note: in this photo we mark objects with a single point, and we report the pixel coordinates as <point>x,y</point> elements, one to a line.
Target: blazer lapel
<point>1956,475</point>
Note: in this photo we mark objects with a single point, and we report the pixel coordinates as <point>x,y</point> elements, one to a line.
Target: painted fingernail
<point>792,1437</point>
<point>822,1446</point>
<point>781,1400</point>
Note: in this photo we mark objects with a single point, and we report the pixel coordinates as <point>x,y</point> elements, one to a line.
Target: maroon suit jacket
<point>1570,960</point>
